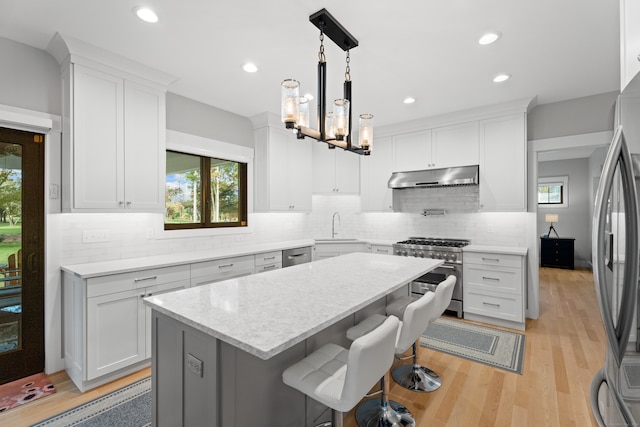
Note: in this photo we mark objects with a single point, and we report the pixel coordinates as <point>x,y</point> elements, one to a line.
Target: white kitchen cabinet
<point>375,171</point>
<point>332,249</point>
<point>456,145</point>
<point>629,41</point>
<point>335,171</point>
<point>115,149</point>
<point>283,180</point>
<point>267,261</point>
<point>411,151</point>
<point>221,269</point>
<point>503,164</point>
<point>495,287</point>
<point>106,324</point>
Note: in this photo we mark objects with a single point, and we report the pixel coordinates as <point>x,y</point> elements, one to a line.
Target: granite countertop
<point>101,268</point>
<point>267,313</point>
<point>508,250</point>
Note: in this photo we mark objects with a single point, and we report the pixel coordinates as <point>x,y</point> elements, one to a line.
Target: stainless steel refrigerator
<point>615,389</point>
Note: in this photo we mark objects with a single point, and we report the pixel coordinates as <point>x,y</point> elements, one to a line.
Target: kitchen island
<point>219,349</point>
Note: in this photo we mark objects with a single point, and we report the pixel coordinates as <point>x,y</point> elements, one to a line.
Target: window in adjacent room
<point>553,191</point>
<point>204,192</point>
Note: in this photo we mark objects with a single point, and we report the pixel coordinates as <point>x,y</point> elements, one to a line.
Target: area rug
<point>25,390</point>
<point>483,344</point>
<point>129,406</point>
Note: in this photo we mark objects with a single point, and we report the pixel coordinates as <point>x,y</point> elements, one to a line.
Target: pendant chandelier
<point>334,127</point>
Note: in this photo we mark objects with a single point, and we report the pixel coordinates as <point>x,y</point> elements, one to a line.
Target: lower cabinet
<point>221,269</point>
<point>267,261</point>
<point>107,327</point>
<point>329,250</point>
<point>494,287</point>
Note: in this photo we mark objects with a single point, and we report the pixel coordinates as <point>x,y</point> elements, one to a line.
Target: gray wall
<point>195,118</point>
<point>572,117</point>
<point>574,220</point>
<point>29,78</point>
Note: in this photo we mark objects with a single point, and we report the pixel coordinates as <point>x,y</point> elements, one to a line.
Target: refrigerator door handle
<point>594,391</point>
<point>618,332</point>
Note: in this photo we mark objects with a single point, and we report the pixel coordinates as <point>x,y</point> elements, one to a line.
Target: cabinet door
<point>300,179</point>
<point>115,332</point>
<point>375,171</point>
<point>98,140</point>
<point>279,196</point>
<point>144,136</point>
<point>347,170</point>
<point>456,145</point>
<point>157,290</point>
<point>412,151</point>
<point>324,168</point>
<point>503,164</point>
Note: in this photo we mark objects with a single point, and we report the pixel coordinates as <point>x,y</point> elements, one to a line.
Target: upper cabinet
<point>629,41</point>
<point>503,163</point>
<point>114,131</point>
<point>411,151</point>
<point>335,171</point>
<point>282,170</point>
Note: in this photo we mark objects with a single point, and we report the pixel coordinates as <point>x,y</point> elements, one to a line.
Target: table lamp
<point>551,218</point>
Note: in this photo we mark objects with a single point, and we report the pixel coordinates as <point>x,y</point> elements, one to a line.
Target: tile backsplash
<point>133,235</point>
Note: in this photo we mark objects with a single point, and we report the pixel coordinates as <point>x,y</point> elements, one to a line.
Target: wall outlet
<point>195,365</point>
<point>54,191</point>
<point>95,236</point>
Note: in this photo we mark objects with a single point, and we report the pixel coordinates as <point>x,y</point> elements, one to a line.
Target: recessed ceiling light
<point>145,14</point>
<point>501,78</point>
<point>409,100</point>
<point>309,96</point>
<point>249,67</point>
<point>489,38</point>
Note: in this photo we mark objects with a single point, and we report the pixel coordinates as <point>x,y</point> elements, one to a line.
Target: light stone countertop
<point>265,314</point>
<point>507,250</point>
<point>101,268</point>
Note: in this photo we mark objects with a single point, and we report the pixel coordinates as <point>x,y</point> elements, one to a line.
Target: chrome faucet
<point>333,224</point>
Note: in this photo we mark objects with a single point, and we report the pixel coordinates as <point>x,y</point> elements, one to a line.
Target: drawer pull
<point>142,279</point>
<point>491,259</point>
<point>271,257</point>
<point>491,278</point>
<point>268,267</point>
<point>491,304</point>
<point>386,251</point>
<point>146,295</point>
<point>225,265</point>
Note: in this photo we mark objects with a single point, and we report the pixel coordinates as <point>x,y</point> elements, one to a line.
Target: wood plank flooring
<point>564,349</point>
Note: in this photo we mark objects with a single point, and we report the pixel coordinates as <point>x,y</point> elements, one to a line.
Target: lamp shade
<point>551,218</point>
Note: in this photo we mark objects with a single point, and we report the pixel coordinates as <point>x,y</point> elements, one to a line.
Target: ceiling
<point>427,49</point>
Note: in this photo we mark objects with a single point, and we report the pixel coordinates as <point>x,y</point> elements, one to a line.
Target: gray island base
<point>219,349</point>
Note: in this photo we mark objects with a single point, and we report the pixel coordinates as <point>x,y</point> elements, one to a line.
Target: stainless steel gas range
<point>449,250</point>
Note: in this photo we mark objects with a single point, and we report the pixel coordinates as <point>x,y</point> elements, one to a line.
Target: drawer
<point>559,244</point>
<point>224,266</point>
<point>503,260</point>
<point>218,277</point>
<point>113,283</point>
<point>498,279</point>
<point>491,304</point>
<point>268,258</point>
<point>267,267</point>
<point>381,249</point>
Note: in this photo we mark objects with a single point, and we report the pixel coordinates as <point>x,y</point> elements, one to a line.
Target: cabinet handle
<point>296,255</point>
<point>491,259</point>
<point>491,304</point>
<point>120,202</point>
<point>386,251</point>
<point>491,278</point>
<point>150,294</point>
<point>225,265</point>
<point>128,204</point>
<point>144,278</point>
<point>271,257</point>
<point>269,267</point>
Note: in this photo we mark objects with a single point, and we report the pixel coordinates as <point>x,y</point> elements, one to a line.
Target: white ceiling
<point>426,49</point>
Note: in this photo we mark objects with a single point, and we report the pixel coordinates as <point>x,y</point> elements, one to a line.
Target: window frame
<point>563,181</point>
<point>201,146</point>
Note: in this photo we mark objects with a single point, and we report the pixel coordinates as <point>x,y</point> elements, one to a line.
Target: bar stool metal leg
<point>416,377</point>
<point>383,412</point>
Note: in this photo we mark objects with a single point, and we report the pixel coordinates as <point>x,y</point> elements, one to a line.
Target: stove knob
<point>421,254</point>
<point>414,253</point>
<point>454,257</point>
<point>404,253</point>
<point>438,255</point>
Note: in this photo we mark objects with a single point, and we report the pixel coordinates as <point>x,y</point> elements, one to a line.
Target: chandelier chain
<point>347,71</point>
<point>321,56</point>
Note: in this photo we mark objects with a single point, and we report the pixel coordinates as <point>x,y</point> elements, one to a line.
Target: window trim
<point>206,147</point>
<point>564,181</point>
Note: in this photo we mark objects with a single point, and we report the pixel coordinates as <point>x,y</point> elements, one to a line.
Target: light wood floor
<point>564,349</point>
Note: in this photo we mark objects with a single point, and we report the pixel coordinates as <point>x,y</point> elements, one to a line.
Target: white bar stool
<point>340,378</point>
<point>416,316</point>
<point>416,377</point>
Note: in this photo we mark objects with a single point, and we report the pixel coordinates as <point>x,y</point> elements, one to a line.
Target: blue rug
<point>490,346</point>
<point>128,406</point>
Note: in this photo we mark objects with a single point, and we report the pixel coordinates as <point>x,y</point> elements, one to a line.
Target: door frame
<point>51,126</point>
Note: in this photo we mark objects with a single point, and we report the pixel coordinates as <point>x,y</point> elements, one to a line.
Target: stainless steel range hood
<point>463,175</point>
